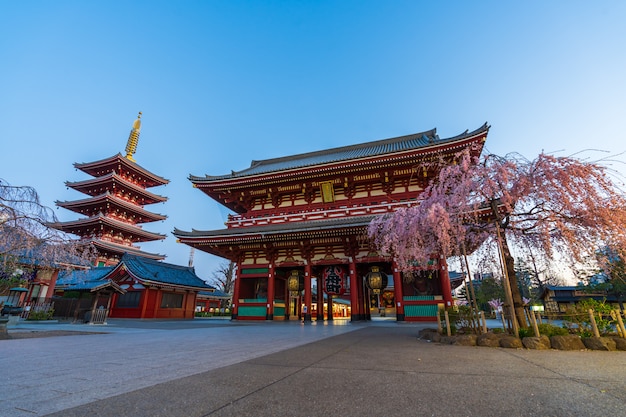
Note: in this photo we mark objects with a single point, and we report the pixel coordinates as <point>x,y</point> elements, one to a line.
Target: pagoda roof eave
<point>92,168</point>
<point>425,142</point>
<point>107,221</point>
<point>76,205</point>
<point>114,177</point>
<point>122,249</point>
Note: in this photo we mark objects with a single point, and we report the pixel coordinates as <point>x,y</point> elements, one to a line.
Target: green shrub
<point>41,315</point>
<point>526,332</point>
<point>579,321</point>
<point>463,319</point>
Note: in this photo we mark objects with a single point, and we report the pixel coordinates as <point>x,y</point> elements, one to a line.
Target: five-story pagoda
<point>114,209</point>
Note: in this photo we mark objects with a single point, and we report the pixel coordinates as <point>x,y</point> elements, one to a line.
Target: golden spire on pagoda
<point>133,138</point>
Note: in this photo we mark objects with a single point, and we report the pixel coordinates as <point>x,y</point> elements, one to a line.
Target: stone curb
<point>503,340</point>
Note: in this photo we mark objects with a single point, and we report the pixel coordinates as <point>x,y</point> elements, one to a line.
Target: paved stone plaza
<point>221,368</point>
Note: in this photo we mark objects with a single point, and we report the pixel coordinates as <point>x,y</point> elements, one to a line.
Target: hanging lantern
<point>376,280</point>
<point>334,280</point>
<point>295,282</point>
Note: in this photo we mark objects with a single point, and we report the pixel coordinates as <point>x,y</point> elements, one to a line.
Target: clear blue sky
<point>221,83</point>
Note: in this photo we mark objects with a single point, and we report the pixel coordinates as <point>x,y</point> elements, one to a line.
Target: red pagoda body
<point>114,209</point>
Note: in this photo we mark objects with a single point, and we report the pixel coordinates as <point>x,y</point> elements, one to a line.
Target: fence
<point>586,322</point>
<point>40,306</point>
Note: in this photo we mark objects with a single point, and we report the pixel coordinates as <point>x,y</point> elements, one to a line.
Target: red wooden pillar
<point>398,293</point>
<point>235,307</point>
<point>52,284</point>
<point>320,299</point>
<point>307,292</point>
<point>330,307</point>
<point>270,293</point>
<point>143,302</point>
<point>287,298</point>
<point>354,294</point>
<point>361,289</point>
<point>446,287</point>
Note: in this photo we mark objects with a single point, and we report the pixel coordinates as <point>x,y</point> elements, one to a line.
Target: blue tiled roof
<point>79,277</point>
<point>156,271</point>
<point>215,293</point>
<point>142,268</point>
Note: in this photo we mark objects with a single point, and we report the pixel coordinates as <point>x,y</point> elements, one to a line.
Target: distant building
<point>558,299</point>
<point>114,209</point>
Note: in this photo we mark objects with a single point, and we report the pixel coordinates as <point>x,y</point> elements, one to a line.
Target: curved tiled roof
<point>94,186</point>
<point>145,270</point>
<point>214,294</point>
<point>161,272</point>
<point>80,277</point>
<point>93,205</point>
<point>137,232</point>
<point>106,165</point>
<point>278,229</point>
<point>119,249</point>
<point>421,140</point>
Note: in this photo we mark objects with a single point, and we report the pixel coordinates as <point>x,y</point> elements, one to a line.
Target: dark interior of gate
<point>337,292</point>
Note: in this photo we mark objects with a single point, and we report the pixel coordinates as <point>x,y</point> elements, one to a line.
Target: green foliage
<point>579,321</point>
<point>7,283</point>
<point>526,332</point>
<point>41,315</point>
<point>463,318</point>
<point>489,289</point>
<point>545,329</point>
<point>612,259</point>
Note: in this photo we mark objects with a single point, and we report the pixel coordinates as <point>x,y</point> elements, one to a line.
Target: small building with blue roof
<point>137,287</point>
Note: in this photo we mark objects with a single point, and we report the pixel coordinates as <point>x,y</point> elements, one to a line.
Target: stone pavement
<point>292,369</point>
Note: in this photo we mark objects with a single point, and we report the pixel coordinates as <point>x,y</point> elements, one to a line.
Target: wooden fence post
<point>620,323</point>
<point>533,321</point>
<point>483,321</point>
<point>439,322</point>
<point>596,333</point>
<point>445,313</point>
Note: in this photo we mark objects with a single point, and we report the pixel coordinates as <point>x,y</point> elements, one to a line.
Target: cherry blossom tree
<point>560,207</point>
<point>27,242</point>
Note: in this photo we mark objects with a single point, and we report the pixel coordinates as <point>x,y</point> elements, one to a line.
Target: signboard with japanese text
<point>334,279</point>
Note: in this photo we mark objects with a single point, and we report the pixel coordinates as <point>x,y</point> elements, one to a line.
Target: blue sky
<point>221,83</point>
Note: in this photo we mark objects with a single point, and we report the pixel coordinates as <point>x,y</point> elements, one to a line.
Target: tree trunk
<point>518,304</point>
